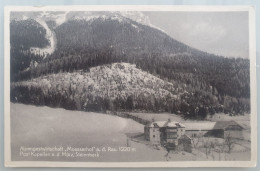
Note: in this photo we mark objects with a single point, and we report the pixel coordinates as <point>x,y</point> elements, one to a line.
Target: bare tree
<point>229,142</point>
<point>220,149</point>
<point>208,146</point>
<point>196,139</point>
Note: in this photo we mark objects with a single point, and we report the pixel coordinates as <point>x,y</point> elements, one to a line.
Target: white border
<point>252,54</point>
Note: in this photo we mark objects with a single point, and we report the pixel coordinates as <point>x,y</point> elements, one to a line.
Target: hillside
<point>206,83</point>
<point>24,35</point>
<point>116,87</point>
<point>107,87</point>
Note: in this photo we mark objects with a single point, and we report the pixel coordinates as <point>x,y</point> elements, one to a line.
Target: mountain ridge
<point>106,41</point>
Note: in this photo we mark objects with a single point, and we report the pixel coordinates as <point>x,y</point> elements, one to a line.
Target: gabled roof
<point>174,125</point>
<point>196,126</point>
<point>205,126</point>
<point>160,124</point>
<point>157,124</point>
<point>225,124</point>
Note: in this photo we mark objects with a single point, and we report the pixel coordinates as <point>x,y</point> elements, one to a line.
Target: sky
<point>221,33</point>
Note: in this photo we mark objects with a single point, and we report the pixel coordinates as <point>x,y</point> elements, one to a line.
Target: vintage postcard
<point>130,86</point>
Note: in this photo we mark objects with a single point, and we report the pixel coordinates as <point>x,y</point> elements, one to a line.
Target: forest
<point>206,83</point>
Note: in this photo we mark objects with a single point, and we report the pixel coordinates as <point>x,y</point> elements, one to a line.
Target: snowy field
<point>33,126</point>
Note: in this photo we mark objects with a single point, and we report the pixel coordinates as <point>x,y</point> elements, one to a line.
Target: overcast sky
<point>221,33</point>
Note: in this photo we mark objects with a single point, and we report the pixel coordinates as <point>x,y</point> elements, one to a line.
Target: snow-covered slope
<point>118,79</point>
<point>62,17</point>
<point>50,36</point>
<point>136,16</point>
<point>121,16</point>
<point>115,81</point>
<point>59,18</point>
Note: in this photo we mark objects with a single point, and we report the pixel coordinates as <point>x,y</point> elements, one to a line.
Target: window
<point>171,135</point>
<point>154,136</point>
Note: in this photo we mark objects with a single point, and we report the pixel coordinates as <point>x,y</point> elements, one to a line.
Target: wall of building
<point>155,136</point>
<point>195,133</point>
<point>180,132</point>
<point>147,133</point>
<point>171,135</point>
<point>234,134</point>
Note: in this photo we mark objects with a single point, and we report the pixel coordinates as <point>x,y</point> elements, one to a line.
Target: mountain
<point>83,41</point>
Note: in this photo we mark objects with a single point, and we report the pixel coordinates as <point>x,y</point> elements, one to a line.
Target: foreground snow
<point>43,126</point>
<point>33,126</point>
<point>47,127</point>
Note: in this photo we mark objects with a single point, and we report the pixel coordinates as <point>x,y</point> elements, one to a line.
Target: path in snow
<point>50,36</point>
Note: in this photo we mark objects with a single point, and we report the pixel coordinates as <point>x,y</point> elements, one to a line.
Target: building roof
<point>200,126</point>
<point>210,125</point>
<point>174,124</point>
<point>160,124</point>
<point>225,124</point>
<point>196,126</point>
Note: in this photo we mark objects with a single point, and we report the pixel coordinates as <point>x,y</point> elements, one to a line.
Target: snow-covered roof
<point>160,124</point>
<point>196,126</point>
<point>200,126</point>
<point>225,124</point>
<point>156,124</point>
<point>210,125</point>
<point>174,124</point>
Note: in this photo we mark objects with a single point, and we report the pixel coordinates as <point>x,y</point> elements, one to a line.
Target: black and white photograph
<point>157,86</point>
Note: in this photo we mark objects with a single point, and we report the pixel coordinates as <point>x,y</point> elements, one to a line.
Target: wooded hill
<point>82,45</point>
